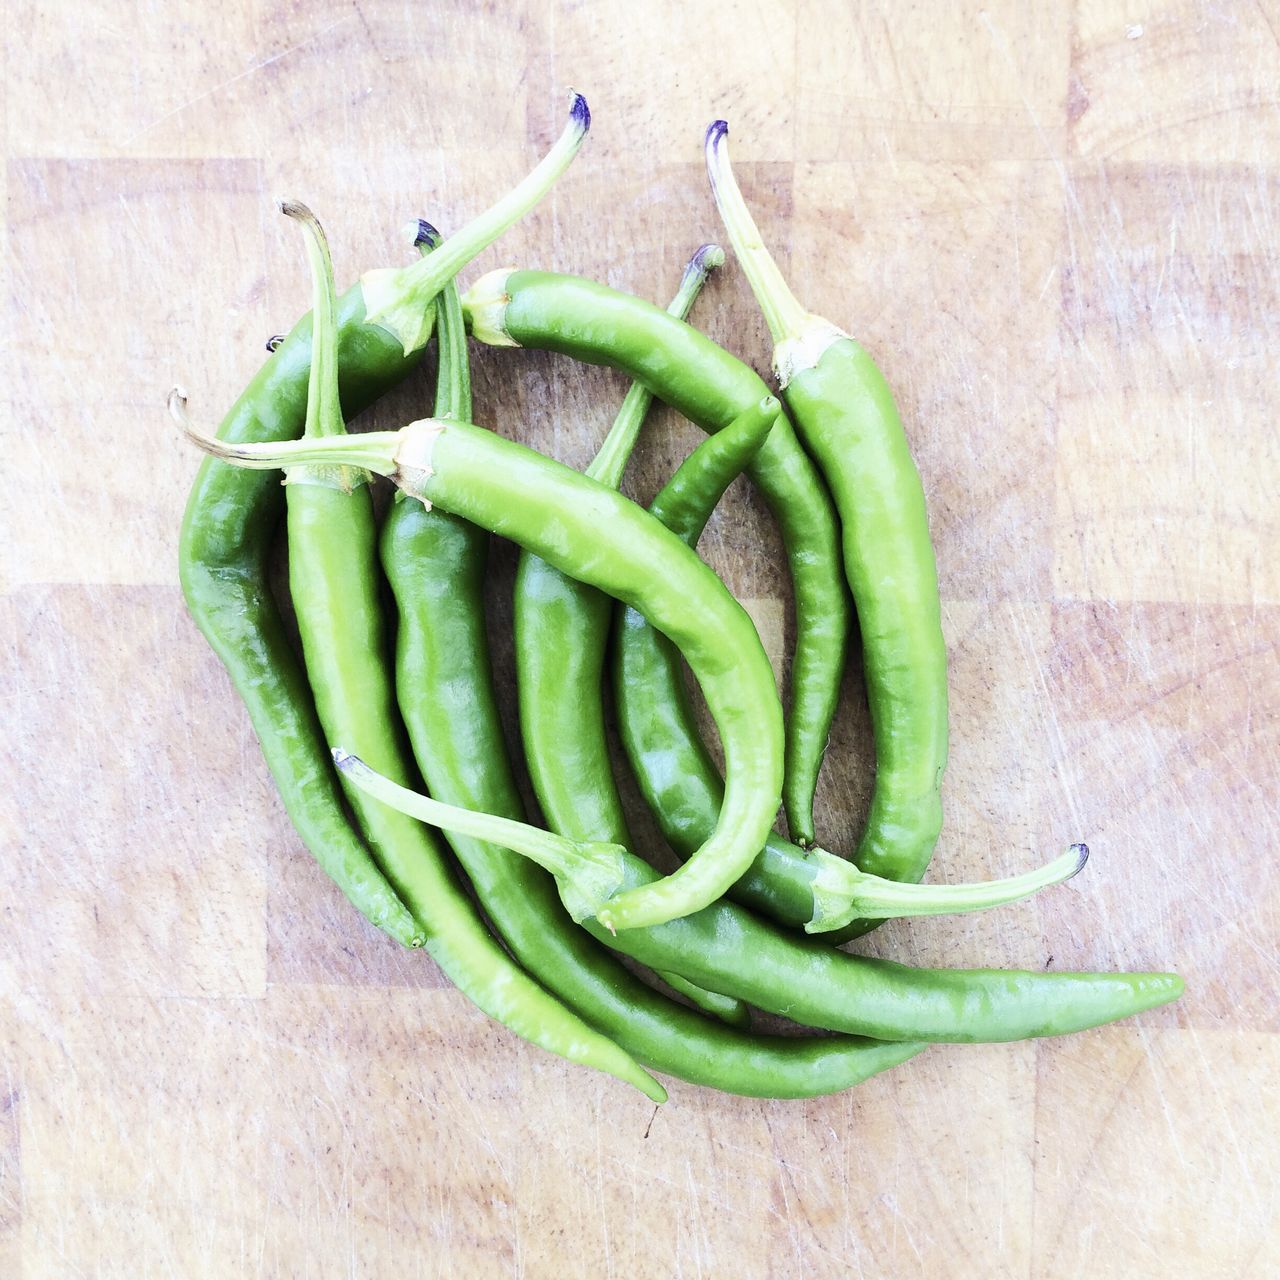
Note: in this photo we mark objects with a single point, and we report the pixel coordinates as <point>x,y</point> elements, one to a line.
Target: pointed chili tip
<point>425,235</point>
<point>1081,850</point>
<point>579,112</point>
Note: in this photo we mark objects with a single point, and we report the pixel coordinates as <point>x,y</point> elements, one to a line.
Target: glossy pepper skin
<point>435,563</point>
<point>724,948</point>
<point>688,371</point>
<point>846,417</point>
<point>223,548</point>
<point>850,425</point>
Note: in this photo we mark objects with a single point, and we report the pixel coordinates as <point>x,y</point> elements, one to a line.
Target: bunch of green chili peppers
<point>384,730</point>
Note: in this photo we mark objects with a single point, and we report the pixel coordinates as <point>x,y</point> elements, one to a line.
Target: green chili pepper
<point>845,415</point>
<point>710,387</point>
<point>599,537</point>
<point>727,950</point>
<point>333,580</point>
<point>226,534</point>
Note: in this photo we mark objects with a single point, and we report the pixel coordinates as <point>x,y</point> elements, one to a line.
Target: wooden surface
<point>1056,227</point>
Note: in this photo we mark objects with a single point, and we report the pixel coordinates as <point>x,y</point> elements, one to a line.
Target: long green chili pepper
<point>728,950</point>
<point>599,537</point>
<point>845,415</point>
<point>333,579</point>
<point>226,534</point>
<point>710,387</point>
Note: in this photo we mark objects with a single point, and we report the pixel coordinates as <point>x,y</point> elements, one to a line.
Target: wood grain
<point>1055,226</point>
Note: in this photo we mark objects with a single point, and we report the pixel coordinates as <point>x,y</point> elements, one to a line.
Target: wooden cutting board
<point>1055,226</point>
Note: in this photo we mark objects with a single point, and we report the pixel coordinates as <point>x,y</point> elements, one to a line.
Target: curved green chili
<point>334,583</point>
<point>726,949</point>
<point>710,387</point>
<point>226,533</point>
<point>845,415</point>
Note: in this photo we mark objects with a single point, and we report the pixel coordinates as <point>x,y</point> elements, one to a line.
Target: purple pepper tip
<point>704,261</point>
<point>426,235</point>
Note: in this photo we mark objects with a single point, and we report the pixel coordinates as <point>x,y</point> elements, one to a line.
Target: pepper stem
<point>399,298</point>
<point>782,310</point>
<point>324,410</point>
<point>799,337</point>
<point>324,407</point>
<point>842,893</point>
<point>590,871</point>
<point>453,364</point>
<point>369,451</point>
<point>611,460</point>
